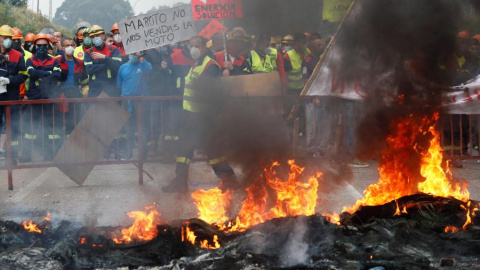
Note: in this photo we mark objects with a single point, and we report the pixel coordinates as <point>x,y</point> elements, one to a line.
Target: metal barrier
<point>27,124</point>
<point>461,136</point>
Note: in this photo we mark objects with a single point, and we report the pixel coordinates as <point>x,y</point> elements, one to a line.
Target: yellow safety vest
<point>294,76</point>
<point>273,58</point>
<point>191,101</point>
<point>261,67</point>
<point>79,53</point>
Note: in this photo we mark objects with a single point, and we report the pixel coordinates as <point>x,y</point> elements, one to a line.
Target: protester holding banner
<point>316,47</point>
<point>234,63</point>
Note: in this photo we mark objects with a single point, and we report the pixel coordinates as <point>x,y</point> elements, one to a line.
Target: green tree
<point>16,3</point>
<point>104,13</point>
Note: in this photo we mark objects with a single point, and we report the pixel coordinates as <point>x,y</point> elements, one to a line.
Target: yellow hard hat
<point>287,39</point>
<point>6,30</point>
<point>96,30</point>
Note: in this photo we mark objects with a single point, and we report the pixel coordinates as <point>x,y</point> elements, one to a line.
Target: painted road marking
<point>47,174</point>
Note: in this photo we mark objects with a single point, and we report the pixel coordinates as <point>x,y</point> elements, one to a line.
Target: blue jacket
<point>131,79</point>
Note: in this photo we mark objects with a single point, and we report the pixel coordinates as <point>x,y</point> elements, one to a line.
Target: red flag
<point>216,9</point>
<point>213,27</point>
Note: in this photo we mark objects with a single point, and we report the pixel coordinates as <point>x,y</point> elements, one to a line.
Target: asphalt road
<point>112,191</point>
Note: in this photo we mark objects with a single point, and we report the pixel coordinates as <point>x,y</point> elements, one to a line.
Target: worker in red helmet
<point>45,73</point>
<point>17,45</point>
<point>117,41</point>
<point>12,75</point>
<point>28,42</point>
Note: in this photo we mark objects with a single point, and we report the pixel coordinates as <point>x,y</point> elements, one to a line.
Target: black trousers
<point>198,131</point>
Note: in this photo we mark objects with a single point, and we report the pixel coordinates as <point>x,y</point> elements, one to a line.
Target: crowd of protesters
<point>44,66</point>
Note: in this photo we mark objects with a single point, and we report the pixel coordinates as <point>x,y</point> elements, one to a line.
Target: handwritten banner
<point>213,27</point>
<point>217,9</point>
<point>155,29</point>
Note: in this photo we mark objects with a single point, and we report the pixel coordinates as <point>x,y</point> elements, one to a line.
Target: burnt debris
<point>373,236</point>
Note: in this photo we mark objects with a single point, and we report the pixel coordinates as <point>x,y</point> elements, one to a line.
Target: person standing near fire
<point>293,66</point>
<point>12,75</point>
<point>199,120</point>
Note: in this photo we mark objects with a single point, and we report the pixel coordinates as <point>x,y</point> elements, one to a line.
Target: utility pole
<point>50,11</point>
<point>38,6</point>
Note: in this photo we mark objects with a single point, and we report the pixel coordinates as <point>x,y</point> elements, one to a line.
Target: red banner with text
<point>216,9</point>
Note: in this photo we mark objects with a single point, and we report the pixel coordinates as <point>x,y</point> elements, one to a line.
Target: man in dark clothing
<point>161,83</point>
<point>12,75</point>
<point>316,47</point>
<point>45,73</point>
<point>102,62</point>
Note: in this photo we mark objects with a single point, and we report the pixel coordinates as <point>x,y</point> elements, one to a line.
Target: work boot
<point>179,184</point>
<point>229,182</point>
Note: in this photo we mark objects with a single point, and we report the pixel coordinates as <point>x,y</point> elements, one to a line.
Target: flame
<point>83,241</point>
<point>31,227</point>
<point>144,227</point>
<point>212,205</point>
<point>398,180</point>
<point>333,218</point>
<point>398,212</point>
<point>47,218</point>
<point>189,235</point>
<point>205,244</point>
<point>293,198</point>
<point>451,229</point>
<point>437,181</point>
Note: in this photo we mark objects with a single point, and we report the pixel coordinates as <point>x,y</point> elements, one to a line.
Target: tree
<point>16,3</point>
<point>104,13</point>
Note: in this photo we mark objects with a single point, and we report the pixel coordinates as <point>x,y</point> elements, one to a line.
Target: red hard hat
<point>463,34</point>
<point>30,37</point>
<point>41,36</point>
<point>52,39</point>
<point>17,34</point>
<point>477,37</point>
<point>114,27</point>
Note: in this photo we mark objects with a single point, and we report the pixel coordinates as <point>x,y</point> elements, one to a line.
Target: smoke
<point>295,251</point>
<point>394,50</point>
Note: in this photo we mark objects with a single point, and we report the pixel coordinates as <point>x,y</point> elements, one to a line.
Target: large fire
<point>144,227</point>
<point>396,177</point>
<point>293,197</point>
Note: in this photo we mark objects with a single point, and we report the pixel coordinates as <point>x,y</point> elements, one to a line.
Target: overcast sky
<point>139,6</point>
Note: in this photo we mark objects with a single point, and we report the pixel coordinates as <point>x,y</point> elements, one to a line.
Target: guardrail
<point>460,139</point>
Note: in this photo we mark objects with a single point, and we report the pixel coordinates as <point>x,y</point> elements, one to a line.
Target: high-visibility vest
<point>24,86</point>
<point>191,101</point>
<point>294,76</point>
<point>261,67</point>
<point>79,53</point>
<point>273,54</point>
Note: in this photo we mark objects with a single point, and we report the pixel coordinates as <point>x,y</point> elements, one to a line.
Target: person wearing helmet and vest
<point>12,75</point>
<point>17,45</point>
<point>45,73</point>
<point>102,62</point>
<point>198,121</point>
<point>28,43</point>
<point>83,42</point>
<point>73,79</point>
<point>235,63</point>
